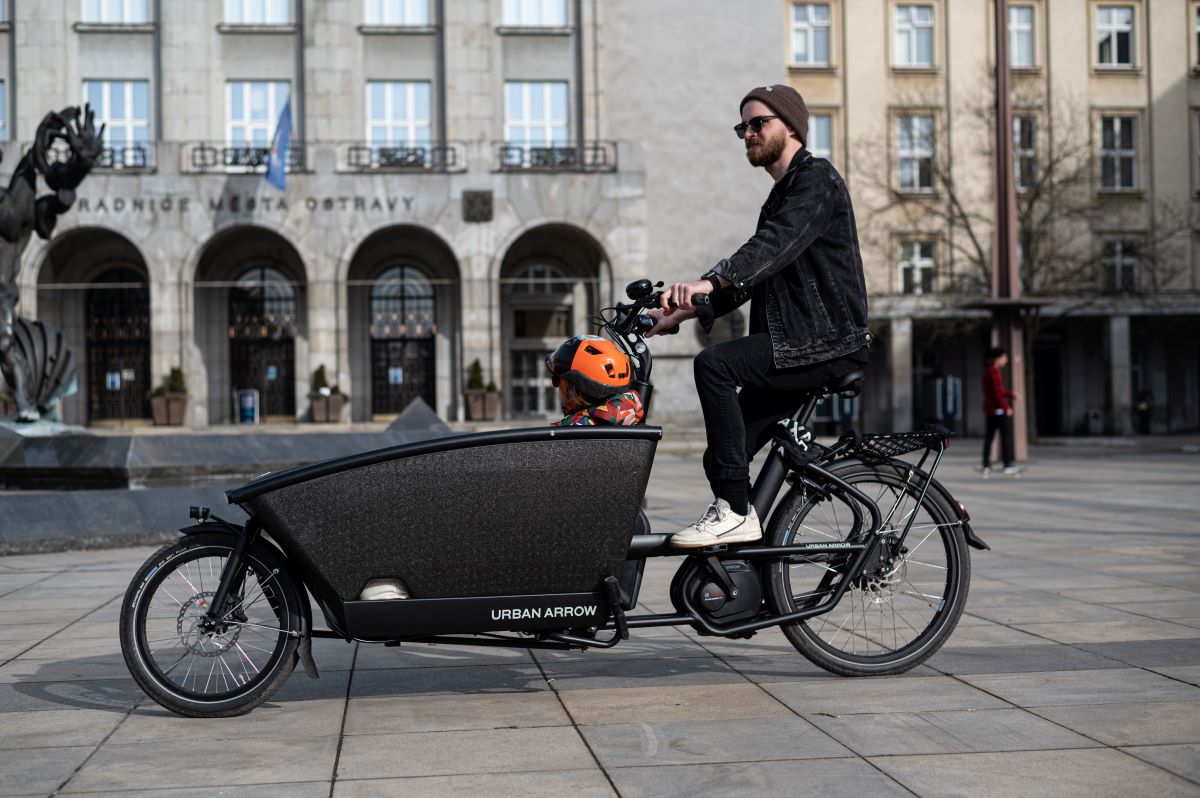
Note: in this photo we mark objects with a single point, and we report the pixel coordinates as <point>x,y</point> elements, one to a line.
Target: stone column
<point>1120,386</point>
<point>900,352</point>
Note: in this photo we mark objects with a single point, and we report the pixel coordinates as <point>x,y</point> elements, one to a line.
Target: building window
<point>1120,261</point>
<point>914,36</point>
<point>820,136</point>
<point>397,13</point>
<point>116,12</point>
<point>258,12</point>
<point>810,34</point>
<point>124,107</point>
<point>1118,153</point>
<point>1020,37</point>
<point>252,111</point>
<point>914,151</point>
<point>1196,36</point>
<point>918,268</point>
<point>535,118</point>
<point>535,13</point>
<point>3,111</point>
<point>1114,36</point>
<point>399,118</point>
<point>1024,152</point>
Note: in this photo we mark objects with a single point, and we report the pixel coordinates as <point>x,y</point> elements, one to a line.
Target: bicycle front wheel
<point>202,669</point>
<point>903,605</point>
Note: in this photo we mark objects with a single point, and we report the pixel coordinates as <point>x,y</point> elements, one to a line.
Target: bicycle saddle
<point>846,385</point>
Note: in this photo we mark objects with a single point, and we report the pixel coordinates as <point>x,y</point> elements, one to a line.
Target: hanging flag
<point>277,165</point>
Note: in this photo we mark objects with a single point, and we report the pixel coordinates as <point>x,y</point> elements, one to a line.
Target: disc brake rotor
<point>191,623</point>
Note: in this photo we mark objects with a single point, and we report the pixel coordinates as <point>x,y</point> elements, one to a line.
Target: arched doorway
<point>250,323</point>
<point>550,283</point>
<point>118,347</point>
<point>403,306</point>
<point>403,329</point>
<point>93,285</point>
<point>262,339</point>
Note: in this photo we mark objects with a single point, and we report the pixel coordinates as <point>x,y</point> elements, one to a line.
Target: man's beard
<point>767,152</point>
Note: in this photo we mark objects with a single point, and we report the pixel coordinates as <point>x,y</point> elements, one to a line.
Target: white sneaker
<point>719,524</point>
<point>1012,470</point>
<point>378,589</point>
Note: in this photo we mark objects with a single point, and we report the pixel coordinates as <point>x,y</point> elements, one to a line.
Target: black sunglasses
<point>755,124</point>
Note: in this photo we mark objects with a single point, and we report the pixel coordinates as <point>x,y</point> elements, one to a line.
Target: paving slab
<point>1097,773</point>
<point>709,702</point>
<point>1182,760</point>
<point>703,742</point>
<point>450,681</point>
<point>1018,659</point>
<point>311,789</point>
<point>278,720</point>
<point>545,784</point>
<point>824,777</point>
<point>957,731</point>
<point>884,694</point>
<point>40,771</point>
<point>1139,629</point>
<point>1083,687</point>
<point>458,752</point>
<point>1156,723</point>
<point>1150,653</point>
<point>56,727</point>
<point>645,672</point>
<point>429,713</point>
<point>171,762</point>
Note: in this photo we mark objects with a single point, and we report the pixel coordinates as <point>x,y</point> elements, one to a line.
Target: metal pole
<point>1006,277</point>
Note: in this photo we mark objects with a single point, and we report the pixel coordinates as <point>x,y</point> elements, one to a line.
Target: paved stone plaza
<point>1075,671</point>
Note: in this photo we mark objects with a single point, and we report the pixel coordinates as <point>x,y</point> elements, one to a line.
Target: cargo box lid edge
<point>280,479</point>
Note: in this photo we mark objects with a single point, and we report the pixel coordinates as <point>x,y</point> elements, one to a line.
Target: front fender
<point>304,650</point>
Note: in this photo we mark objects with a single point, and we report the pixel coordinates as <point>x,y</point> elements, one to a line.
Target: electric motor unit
<point>708,593</point>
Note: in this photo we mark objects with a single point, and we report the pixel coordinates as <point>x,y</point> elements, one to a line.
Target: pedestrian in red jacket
<point>998,410</point>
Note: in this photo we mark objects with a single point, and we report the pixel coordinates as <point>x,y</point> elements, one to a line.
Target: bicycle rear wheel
<point>893,615</point>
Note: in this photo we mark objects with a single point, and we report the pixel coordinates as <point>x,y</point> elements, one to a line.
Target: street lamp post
<point>1006,303</point>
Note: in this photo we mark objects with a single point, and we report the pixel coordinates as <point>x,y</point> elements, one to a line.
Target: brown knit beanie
<point>787,103</point>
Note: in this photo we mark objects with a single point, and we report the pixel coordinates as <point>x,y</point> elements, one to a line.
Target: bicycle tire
<point>875,596</point>
<point>177,573</point>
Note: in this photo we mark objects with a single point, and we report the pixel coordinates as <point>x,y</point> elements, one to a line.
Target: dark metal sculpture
<point>35,363</point>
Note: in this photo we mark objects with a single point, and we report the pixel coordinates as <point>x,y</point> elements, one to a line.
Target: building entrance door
<point>118,347</point>
<point>262,329</point>
<point>1047,375</point>
<point>403,340</point>
<point>402,369</point>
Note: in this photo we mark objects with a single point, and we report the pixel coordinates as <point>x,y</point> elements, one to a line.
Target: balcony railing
<point>594,156</point>
<point>450,156</point>
<point>209,156</point>
<point>132,158</point>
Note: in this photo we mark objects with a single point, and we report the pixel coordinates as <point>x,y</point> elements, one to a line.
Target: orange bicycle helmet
<point>588,369</point>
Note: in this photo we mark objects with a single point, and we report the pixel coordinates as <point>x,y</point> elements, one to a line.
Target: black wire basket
<point>893,444</point>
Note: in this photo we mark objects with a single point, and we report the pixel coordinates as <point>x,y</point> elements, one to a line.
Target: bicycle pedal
<point>716,548</point>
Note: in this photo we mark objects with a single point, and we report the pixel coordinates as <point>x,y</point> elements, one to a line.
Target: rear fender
<point>964,518</point>
<point>304,650</point>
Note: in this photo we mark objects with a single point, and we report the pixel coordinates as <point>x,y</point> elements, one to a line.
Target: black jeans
<point>739,423</point>
<point>1003,424</point>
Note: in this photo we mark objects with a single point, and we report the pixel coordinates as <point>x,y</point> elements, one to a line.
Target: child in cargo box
<point>594,380</point>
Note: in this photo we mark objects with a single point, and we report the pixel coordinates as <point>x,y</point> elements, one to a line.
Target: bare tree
<point>1068,196</point>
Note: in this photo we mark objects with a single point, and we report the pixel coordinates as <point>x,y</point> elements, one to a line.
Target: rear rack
<point>883,446</point>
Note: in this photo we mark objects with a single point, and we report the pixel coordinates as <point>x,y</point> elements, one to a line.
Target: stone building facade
<point>471,180</point>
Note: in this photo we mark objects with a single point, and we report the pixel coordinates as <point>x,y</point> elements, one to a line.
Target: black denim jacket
<point>802,268</point>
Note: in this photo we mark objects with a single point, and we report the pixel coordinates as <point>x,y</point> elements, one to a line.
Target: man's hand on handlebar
<point>680,295</point>
<point>665,322</point>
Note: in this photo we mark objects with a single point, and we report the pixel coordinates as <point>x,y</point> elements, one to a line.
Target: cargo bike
<point>536,538</point>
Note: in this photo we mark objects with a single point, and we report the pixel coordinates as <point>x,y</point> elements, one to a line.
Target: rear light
<point>963,509</point>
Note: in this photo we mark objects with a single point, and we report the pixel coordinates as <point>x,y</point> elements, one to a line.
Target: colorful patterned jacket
<point>623,409</point>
